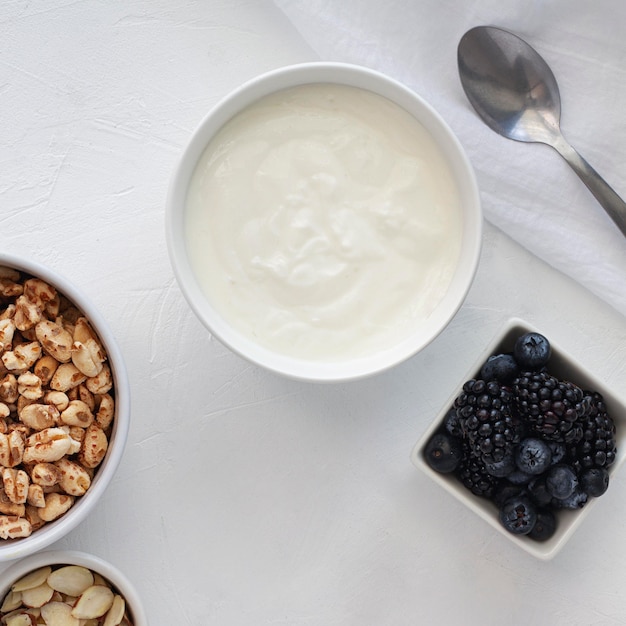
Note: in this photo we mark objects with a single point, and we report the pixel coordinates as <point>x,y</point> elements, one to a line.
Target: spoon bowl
<point>515,93</point>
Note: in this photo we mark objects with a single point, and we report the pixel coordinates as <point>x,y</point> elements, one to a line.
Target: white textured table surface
<point>246,498</point>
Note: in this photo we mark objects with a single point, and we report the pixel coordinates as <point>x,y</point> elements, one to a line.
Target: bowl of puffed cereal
<point>64,406</point>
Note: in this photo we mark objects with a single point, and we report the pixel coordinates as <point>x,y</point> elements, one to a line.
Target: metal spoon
<point>515,93</point>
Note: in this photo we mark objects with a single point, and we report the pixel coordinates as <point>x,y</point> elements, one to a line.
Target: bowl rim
<point>55,530</point>
<point>351,75</point>
<point>113,574</point>
<point>541,550</point>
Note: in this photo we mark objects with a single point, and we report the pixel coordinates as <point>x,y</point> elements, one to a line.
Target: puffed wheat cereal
<point>57,407</point>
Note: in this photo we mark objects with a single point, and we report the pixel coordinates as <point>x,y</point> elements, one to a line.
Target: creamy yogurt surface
<point>323,222</point>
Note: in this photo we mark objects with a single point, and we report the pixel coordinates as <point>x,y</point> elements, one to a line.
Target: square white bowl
<point>565,367</point>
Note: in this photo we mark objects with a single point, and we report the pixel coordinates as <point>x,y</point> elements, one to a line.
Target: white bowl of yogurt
<point>324,222</point>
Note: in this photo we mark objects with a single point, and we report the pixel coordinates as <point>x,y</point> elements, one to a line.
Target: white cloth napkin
<point>527,189</point>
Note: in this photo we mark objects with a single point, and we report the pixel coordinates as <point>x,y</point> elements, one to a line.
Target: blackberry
<point>472,473</point>
<point>596,447</point>
<point>484,412</point>
<point>553,408</point>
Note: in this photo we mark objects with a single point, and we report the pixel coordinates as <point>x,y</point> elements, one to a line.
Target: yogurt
<point>323,222</point>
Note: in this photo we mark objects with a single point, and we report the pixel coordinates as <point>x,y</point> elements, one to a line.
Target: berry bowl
<point>69,587</point>
<point>64,406</point>
<point>529,440</point>
<point>324,222</point>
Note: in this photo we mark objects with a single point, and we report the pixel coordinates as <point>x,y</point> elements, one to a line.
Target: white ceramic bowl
<point>565,367</point>
<point>53,531</point>
<point>450,147</point>
<point>112,574</point>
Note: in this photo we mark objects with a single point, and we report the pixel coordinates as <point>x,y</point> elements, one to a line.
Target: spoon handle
<point>602,191</point>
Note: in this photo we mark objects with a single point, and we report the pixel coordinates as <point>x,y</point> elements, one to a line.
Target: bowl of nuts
<point>530,440</point>
<point>68,587</point>
<point>64,406</point>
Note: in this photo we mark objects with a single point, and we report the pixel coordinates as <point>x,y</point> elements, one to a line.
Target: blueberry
<point>501,468</point>
<point>505,490</point>
<point>443,452</point>
<point>532,350</point>
<point>533,456</point>
<point>452,423</point>
<point>594,481</point>
<point>561,481</point>
<point>502,367</point>
<point>544,526</point>
<point>518,515</point>
<point>558,451</point>
<point>576,500</point>
<point>538,491</point>
<point>517,477</point>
